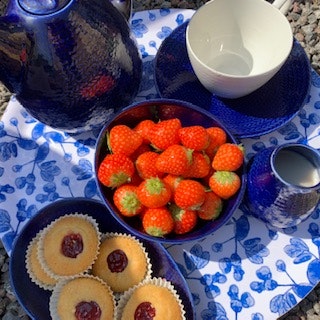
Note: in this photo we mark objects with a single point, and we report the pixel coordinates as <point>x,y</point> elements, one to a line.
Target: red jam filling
<point>117,261</point>
<point>72,245</point>
<point>145,311</point>
<point>87,311</point>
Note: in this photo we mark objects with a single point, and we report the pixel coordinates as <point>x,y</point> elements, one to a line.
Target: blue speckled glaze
<point>68,64</point>
<point>275,200</point>
<point>249,116</point>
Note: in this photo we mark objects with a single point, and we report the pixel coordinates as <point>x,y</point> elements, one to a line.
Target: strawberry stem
<point>154,185</point>
<point>118,179</point>
<point>224,177</point>
<point>155,231</point>
<point>130,202</point>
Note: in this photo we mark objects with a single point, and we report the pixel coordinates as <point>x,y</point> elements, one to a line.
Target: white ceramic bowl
<point>235,47</point>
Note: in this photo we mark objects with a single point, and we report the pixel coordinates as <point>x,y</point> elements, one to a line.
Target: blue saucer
<point>258,113</point>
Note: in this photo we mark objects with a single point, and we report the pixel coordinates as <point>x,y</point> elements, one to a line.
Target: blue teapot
<point>71,63</point>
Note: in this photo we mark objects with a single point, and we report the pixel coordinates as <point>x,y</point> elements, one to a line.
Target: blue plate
<point>36,300</point>
<point>260,112</point>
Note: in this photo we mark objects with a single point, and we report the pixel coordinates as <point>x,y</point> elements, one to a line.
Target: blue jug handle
<point>124,6</point>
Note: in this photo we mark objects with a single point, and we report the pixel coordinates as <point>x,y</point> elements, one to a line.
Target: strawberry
<point>184,220</point>
<point>172,181</point>
<point>211,207</point>
<point>217,137</point>
<point>144,128</point>
<point>194,137</point>
<point>205,180</point>
<point>225,183</point>
<point>145,165</point>
<point>189,194</point>
<point>126,200</point>
<point>115,170</point>
<point>176,160</point>
<point>169,111</point>
<point>200,166</point>
<point>123,139</point>
<point>157,222</point>
<point>165,133</point>
<point>136,179</point>
<point>153,193</point>
<point>229,157</point>
<point>140,150</point>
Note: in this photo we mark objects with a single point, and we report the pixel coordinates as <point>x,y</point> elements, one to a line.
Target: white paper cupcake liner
<point>148,271</point>
<point>86,267</point>
<point>39,276</point>
<point>159,282</point>
<point>55,296</point>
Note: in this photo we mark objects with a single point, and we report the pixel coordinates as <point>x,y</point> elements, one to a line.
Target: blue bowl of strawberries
<point>169,171</point>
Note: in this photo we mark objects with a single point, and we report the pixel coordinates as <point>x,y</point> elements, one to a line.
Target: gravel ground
<point>304,17</point>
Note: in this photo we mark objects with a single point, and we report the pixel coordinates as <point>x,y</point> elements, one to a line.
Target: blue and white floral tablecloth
<point>245,271</point>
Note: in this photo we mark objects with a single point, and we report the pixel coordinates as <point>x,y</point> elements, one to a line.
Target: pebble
<point>304,18</point>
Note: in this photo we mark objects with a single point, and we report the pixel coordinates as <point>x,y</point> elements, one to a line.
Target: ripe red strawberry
<point>136,179</point>
<point>157,222</point>
<point>176,160</point>
<point>126,200</point>
<point>145,165</point>
<point>115,170</point>
<point>144,128</point>
<point>194,137</point>
<point>225,183</point>
<point>229,157</point>
<point>205,180</point>
<point>169,111</point>
<point>189,194</point>
<point>184,220</point>
<point>172,181</point>
<point>217,138</point>
<point>165,133</point>
<point>211,207</point>
<point>200,166</point>
<point>143,148</point>
<point>123,139</point>
<point>153,193</point>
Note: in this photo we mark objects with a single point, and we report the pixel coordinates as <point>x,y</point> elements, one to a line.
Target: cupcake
<point>69,245</point>
<point>154,298</point>
<point>122,262</point>
<point>82,297</point>
<point>34,268</point>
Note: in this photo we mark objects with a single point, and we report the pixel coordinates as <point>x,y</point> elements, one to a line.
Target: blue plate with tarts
<point>263,111</point>
<point>35,300</point>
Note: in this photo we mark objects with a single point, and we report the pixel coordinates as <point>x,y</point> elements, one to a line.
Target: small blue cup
<point>283,184</point>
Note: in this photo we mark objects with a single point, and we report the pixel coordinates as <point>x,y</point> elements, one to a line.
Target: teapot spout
<point>124,6</point>
<point>13,52</point>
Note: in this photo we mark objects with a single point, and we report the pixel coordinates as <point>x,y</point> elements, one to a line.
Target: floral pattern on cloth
<point>247,270</point>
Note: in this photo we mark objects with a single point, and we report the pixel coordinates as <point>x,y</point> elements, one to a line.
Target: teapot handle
<point>124,6</point>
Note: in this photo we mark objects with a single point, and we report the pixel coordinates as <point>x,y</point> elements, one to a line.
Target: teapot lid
<point>42,7</point>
